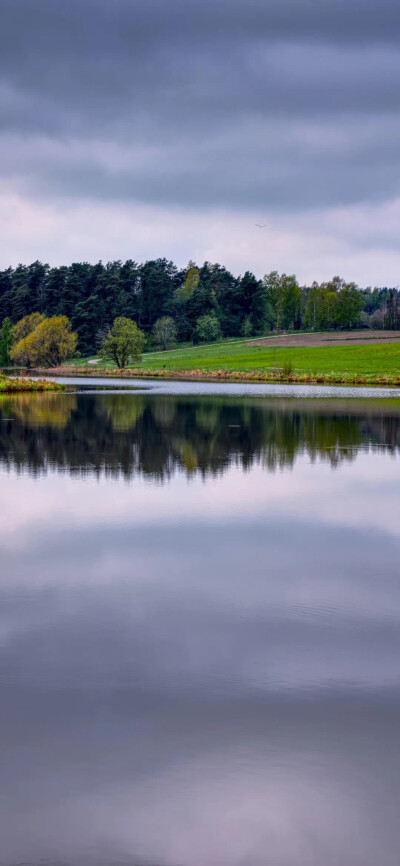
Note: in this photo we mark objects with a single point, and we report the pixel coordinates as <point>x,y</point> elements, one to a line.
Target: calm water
<point>199,629</point>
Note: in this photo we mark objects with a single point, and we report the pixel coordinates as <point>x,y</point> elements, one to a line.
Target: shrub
<point>208,328</point>
<point>164,332</point>
<point>247,327</point>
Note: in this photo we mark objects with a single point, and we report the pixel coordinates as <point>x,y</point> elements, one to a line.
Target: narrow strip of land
<point>11,385</point>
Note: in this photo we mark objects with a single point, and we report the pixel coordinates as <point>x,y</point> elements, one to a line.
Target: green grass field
<point>366,360</point>
<point>350,361</point>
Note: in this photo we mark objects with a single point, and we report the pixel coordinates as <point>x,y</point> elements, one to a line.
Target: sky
<point>146,128</point>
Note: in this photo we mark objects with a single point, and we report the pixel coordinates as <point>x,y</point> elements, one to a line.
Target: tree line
<point>201,303</point>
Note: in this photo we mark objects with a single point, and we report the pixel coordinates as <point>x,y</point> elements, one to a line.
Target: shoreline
<point>22,385</point>
<point>200,375</point>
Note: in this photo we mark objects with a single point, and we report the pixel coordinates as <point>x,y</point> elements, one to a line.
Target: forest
<point>93,296</point>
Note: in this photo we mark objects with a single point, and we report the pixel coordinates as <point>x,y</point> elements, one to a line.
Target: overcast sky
<point>145,128</point>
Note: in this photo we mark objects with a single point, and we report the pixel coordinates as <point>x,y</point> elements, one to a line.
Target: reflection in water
<point>206,671</point>
<point>156,435</point>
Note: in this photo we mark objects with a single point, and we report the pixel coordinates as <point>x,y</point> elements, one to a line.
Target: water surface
<point>199,628</point>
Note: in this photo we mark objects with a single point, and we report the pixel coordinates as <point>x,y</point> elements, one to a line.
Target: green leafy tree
<point>289,303</point>
<point>26,325</point>
<point>48,345</point>
<point>321,308</point>
<point>272,288</point>
<point>5,342</point>
<point>208,328</point>
<point>349,305</point>
<point>164,332</point>
<point>123,343</point>
<point>191,281</point>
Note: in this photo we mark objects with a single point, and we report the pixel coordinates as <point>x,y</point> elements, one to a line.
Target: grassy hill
<point>377,360</point>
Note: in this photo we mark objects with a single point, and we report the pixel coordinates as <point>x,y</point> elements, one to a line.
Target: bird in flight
<point>261,227</point>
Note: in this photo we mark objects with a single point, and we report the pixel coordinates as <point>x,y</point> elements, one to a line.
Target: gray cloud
<point>283,105</point>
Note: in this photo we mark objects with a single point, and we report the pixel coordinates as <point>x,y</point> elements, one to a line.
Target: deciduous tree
<point>48,345</point>
<point>123,343</point>
<point>164,332</point>
<point>26,325</point>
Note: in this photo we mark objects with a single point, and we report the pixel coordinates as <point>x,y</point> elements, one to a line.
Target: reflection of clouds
<point>227,611</point>
<point>348,497</point>
<point>126,778</point>
<point>245,594</point>
<point>201,673</point>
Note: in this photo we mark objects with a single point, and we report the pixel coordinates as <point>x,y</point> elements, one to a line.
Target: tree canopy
<point>92,296</point>
<point>48,344</point>
<point>124,342</point>
<point>164,332</point>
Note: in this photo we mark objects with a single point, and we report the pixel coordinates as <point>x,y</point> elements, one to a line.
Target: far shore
<point>267,376</point>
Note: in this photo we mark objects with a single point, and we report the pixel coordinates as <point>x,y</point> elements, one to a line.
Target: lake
<point>200,626</point>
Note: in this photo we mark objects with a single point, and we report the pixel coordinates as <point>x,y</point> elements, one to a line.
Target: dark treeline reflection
<point>129,434</point>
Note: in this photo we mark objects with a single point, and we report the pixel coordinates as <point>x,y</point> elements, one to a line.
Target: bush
<point>164,332</point>
<point>208,328</point>
<point>287,369</point>
<point>247,328</point>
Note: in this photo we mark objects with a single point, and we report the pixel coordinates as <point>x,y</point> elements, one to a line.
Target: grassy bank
<point>352,364</point>
<point>12,385</point>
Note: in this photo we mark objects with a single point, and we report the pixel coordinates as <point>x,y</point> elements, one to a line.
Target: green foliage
<point>93,296</point>
<point>5,342</point>
<point>208,328</point>
<point>123,343</point>
<point>26,325</point>
<point>321,308</point>
<point>190,284</point>
<point>349,306</point>
<point>287,369</point>
<point>50,343</point>
<point>253,301</point>
<point>288,303</point>
<point>164,332</point>
<point>247,328</point>
<point>20,386</point>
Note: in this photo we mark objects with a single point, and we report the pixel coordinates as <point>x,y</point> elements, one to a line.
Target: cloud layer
<point>288,110</point>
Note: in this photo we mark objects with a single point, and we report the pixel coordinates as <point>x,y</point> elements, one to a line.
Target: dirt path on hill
<point>345,338</point>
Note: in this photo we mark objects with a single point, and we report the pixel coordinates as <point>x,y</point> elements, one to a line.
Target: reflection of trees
<point>123,414</point>
<point>53,410</point>
<point>132,434</point>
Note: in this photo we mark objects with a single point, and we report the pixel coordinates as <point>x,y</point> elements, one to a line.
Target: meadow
<point>372,361</point>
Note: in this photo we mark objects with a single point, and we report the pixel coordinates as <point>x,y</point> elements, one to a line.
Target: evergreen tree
<point>5,293</point>
<point>253,302</point>
<point>5,342</point>
<point>157,285</point>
